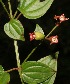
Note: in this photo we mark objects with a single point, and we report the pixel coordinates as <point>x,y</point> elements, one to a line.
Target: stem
<point>15,13</point>
<point>17,53</point>
<point>16,47</point>
<point>10,8</point>
<point>51,31</point>
<point>12,70</point>
<point>19,15</point>
<point>5,8</point>
<point>18,60</point>
<point>30,54</point>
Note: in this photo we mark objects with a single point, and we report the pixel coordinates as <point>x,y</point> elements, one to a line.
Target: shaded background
<point>7,54</point>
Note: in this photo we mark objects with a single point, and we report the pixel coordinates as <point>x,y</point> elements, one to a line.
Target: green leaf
<point>1,69</point>
<point>35,72</point>
<point>49,61</point>
<point>4,77</point>
<point>52,63</point>
<point>50,80</point>
<point>33,9</point>
<point>0,0</point>
<point>14,29</point>
<point>38,29</point>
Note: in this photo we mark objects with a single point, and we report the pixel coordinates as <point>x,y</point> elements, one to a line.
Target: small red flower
<point>61,18</point>
<point>32,36</point>
<point>53,39</point>
<point>36,35</point>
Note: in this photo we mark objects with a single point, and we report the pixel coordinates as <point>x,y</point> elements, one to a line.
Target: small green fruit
<point>39,35</point>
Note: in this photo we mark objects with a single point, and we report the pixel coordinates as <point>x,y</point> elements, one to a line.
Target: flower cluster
<point>53,39</point>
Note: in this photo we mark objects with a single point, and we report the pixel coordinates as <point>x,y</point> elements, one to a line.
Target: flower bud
<point>32,36</point>
<point>39,35</point>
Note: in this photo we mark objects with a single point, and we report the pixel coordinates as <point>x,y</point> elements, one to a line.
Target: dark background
<point>7,54</point>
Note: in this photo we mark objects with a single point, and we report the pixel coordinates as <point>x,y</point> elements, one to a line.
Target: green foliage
<point>4,77</point>
<point>52,63</point>
<point>50,80</point>
<point>14,29</point>
<point>39,34</point>
<point>33,9</point>
<point>36,72</point>
<point>38,29</point>
<point>42,71</point>
<point>0,0</point>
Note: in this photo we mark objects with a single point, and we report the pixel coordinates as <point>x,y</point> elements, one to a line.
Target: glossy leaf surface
<point>14,29</point>
<point>52,63</point>
<point>35,72</point>
<point>33,9</point>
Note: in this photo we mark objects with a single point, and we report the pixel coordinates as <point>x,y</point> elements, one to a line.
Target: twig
<point>5,9</point>
<point>17,54</point>
<point>19,15</point>
<point>18,60</point>
<point>30,54</point>
<point>12,69</point>
<point>10,8</point>
<point>15,14</point>
<point>51,31</point>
